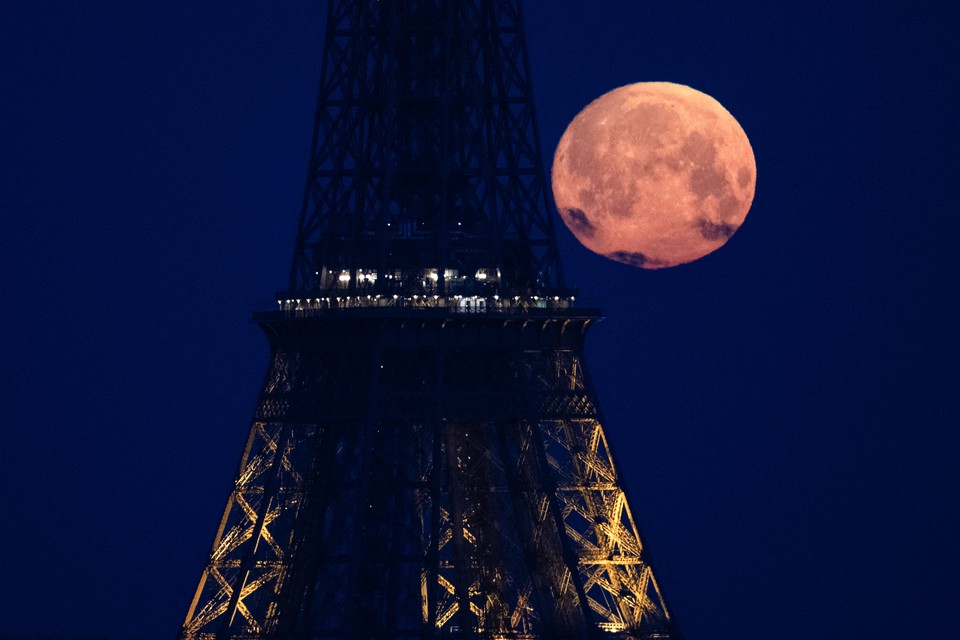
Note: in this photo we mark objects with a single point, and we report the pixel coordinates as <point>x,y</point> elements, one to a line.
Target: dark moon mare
<point>710,179</point>
<point>577,218</point>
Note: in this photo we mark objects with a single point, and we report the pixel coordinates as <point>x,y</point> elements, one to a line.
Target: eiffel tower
<point>426,458</point>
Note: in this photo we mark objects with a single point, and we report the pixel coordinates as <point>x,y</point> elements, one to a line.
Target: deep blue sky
<point>784,410</point>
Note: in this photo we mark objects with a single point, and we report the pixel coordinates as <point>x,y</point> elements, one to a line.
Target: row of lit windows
<point>431,275</point>
<point>434,301</point>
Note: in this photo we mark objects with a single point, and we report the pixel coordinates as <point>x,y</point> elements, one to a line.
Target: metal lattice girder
<point>246,555</point>
<point>426,160</point>
<point>354,516</point>
<point>617,580</point>
<point>426,459</point>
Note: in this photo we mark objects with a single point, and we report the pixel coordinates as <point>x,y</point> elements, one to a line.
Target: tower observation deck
<point>426,457</point>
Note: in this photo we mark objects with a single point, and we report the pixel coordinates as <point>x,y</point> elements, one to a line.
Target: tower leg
<point>427,486</point>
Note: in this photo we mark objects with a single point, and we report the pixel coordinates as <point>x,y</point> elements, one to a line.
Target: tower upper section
<point>426,176</point>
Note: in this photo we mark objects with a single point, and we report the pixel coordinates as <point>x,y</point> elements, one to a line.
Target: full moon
<point>653,175</point>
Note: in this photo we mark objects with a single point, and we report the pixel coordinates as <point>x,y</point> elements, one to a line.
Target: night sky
<point>785,410</point>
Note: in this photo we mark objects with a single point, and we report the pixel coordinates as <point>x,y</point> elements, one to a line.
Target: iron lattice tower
<point>426,458</point>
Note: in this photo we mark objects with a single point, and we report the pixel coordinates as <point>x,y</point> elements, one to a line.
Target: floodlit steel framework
<point>426,458</point>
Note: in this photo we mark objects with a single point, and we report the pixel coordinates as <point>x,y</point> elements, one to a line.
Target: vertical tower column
<point>426,459</point>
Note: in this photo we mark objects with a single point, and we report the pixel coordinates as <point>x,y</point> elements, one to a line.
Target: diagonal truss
<point>422,491</point>
<point>249,555</point>
<point>617,580</point>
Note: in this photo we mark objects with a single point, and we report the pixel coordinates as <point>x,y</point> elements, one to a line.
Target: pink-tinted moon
<point>654,174</point>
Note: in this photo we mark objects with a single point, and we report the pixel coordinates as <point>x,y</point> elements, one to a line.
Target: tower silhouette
<point>426,457</point>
